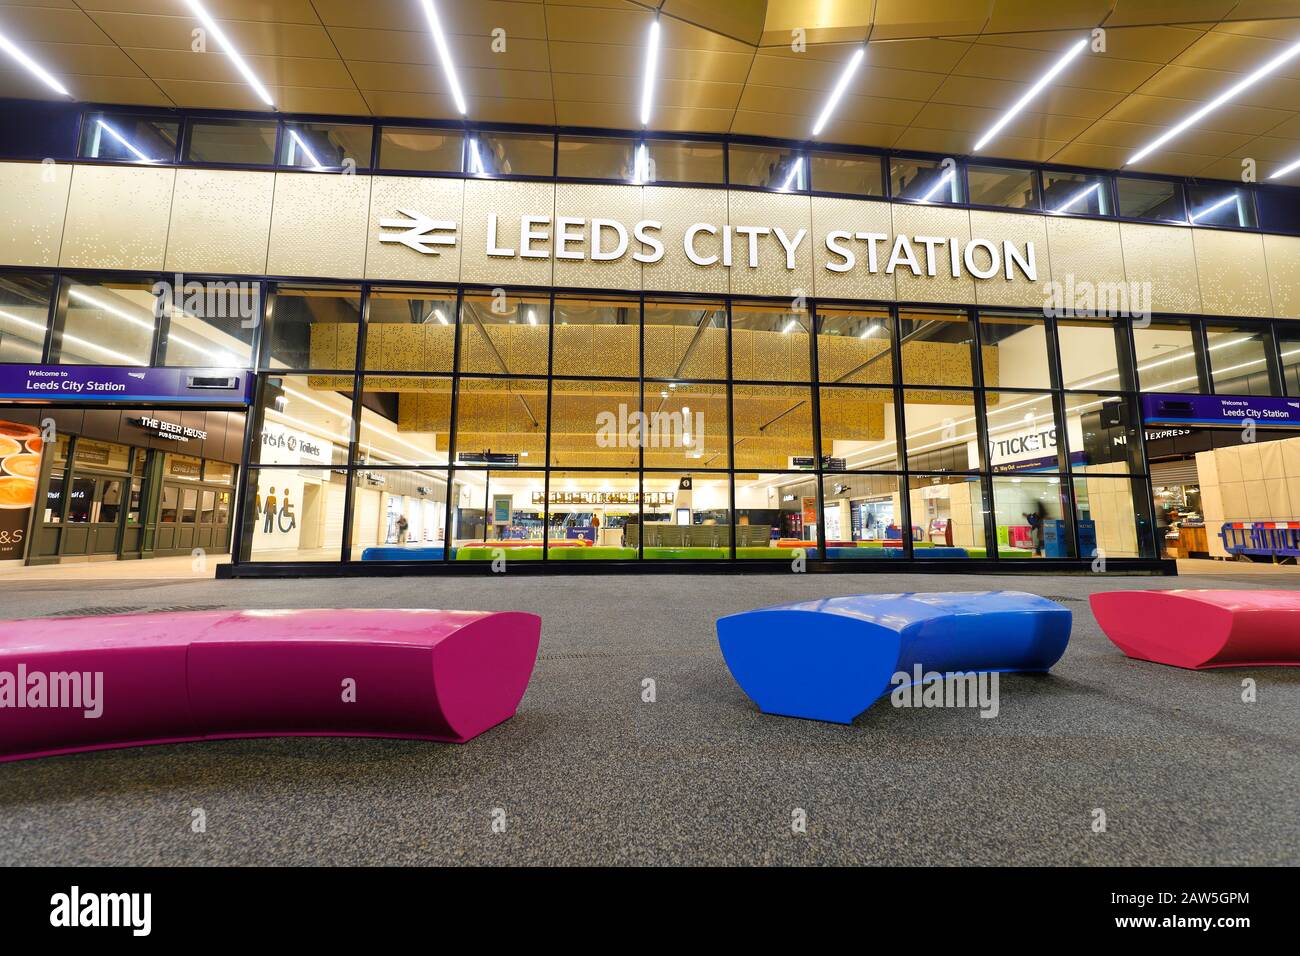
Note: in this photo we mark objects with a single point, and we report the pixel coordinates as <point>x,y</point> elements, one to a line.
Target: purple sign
<point>98,383</point>
<point>1221,410</point>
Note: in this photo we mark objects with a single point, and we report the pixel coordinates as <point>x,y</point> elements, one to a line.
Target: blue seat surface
<point>832,658</point>
<point>393,552</point>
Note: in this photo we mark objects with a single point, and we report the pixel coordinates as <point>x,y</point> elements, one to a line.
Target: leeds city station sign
<point>717,245</point>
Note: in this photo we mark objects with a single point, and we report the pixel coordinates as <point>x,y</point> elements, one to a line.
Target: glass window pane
<point>1076,194</point>
<point>1022,432</point>
<point>596,424</point>
<point>936,348</point>
<point>1238,359</point>
<point>168,504</point>
<point>218,471</point>
<point>853,174</point>
<point>1219,204</point>
<point>105,323</point>
<point>207,506</point>
<point>505,335</point>
<point>303,420</point>
<point>1151,199</point>
<point>128,139</point>
<point>182,466</point>
<point>769,343</point>
<point>1166,357</point>
<point>1113,518</point>
<point>1103,433</point>
<point>495,514</point>
<point>776,514</point>
<point>1030,518</point>
<point>314,327</point>
<point>325,146</point>
<point>510,154</point>
<point>1014,351</point>
<point>597,336</point>
<point>924,180</point>
<point>394,507</point>
<point>685,425</point>
<point>210,324</point>
<point>1289,344</point>
<point>82,500</point>
<point>683,161</point>
<point>189,504</point>
<point>1005,186</point>
<point>410,330</point>
<point>853,346</point>
<point>405,420</point>
<point>133,505</point>
<point>245,142</point>
<point>685,339</point>
<point>773,426</point>
<point>947,517</point>
<point>1279,207</point>
<point>772,167</point>
<point>103,454</point>
<point>24,315</point>
<point>593,515</point>
<point>858,432</point>
<point>688,516</point>
<point>596,157</point>
<point>861,516</point>
<point>421,150</point>
<point>1089,354</point>
<point>498,417</point>
<point>940,431</point>
<point>293,514</point>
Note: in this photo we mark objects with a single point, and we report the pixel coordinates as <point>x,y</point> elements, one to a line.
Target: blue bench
<point>396,552</point>
<point>833,658</point>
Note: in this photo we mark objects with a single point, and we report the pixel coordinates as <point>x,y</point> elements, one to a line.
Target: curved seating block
<point>1203,629</point>
<point>832,659</point>
<point>397,552</point>
<point>429,675</point>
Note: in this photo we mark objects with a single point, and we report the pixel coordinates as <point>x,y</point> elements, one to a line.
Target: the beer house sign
<point>737,246</point>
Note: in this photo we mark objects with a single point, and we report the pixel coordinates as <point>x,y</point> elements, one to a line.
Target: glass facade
<point>465,426</point>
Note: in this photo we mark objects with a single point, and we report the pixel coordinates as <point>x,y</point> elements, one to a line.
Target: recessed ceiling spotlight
<point>444,55</point>
<point>1285,56</point>
<point>1066,58</point>
<point>217,34</point>
<point>840,86</point>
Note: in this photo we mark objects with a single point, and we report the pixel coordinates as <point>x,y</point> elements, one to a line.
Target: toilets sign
<point>715,245</point>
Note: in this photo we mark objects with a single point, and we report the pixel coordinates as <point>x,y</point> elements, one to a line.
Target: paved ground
<point>587,773</point>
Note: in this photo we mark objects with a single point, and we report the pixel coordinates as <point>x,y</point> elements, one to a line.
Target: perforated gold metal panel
<point>1233,276</point>
<point>33,202</point>
<point>117,218</point>
<point>318,225</point>
<point>1164,257</point>
<point>220,221</point>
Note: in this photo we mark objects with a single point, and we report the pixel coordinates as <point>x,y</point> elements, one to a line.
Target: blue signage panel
<point>1221,410</point>
<point>97,383</point>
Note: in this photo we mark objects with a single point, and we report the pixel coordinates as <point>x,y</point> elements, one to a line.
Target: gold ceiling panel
<point>937,72</point>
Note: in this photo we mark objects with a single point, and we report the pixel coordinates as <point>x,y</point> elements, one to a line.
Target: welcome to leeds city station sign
<point>609,240</point>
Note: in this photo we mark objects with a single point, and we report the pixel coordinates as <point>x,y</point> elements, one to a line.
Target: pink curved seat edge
<point>1203,629</point>
<point>417,674</point>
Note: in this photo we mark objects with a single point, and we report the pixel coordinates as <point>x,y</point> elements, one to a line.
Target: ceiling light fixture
<point>32,66</point>
<point>651,64</point>
<point>444,55</point>
<point>1033,91</point>
<point>124,141</point>
<point>1290,168</point>
<point>1277,61</point>
<point>211,26</point>
<point>840,86</point>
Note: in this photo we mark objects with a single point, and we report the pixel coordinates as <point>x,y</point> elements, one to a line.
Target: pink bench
<point>1202,629</point>
<point>162,678</point>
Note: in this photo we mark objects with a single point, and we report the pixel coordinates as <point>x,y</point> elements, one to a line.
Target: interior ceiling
<point>937,73</point>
